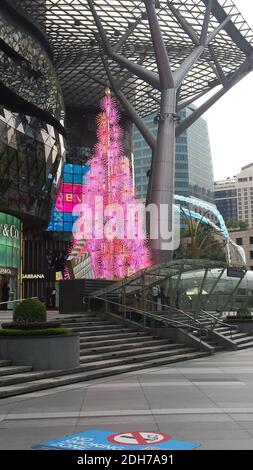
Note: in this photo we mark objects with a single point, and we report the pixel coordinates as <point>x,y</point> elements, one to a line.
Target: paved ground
<point>208,400</point>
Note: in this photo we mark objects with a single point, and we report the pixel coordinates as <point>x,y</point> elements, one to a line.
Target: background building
<point>234,199</point>
<point>244,187</point>
<point>225,196</point>
<point>194,169</point>
<point>244,238</point>
<point>234,196</point>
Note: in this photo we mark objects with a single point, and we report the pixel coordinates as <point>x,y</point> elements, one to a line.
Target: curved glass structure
<point>26,71</point>
<point>31,154</point>
<point>226,296</point>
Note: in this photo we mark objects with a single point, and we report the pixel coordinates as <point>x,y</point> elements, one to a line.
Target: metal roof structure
<point>77,50</point>
<point>157,54</point>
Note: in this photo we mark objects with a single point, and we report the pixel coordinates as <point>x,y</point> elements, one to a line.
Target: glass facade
<point>226,202</point>
<point>222,297</point>
<point>10,254</point>
<point>31,154</point>
<point>193,166</point>
<point>26,69</point>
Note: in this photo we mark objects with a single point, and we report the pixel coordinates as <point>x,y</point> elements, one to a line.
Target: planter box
<point>42,352</point>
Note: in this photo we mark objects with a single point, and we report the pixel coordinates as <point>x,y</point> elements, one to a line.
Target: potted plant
<point>32,340</point>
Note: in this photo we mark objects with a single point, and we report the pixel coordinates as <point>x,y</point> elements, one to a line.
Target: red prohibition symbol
<point>139,438</point>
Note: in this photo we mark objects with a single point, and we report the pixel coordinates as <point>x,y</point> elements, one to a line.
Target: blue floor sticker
<point>96,439</point>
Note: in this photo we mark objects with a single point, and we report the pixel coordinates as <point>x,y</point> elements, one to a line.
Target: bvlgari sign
<point>9,231</point>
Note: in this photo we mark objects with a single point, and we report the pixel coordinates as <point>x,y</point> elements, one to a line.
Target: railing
<point>233,328</point>
<point>153,316</point>
<point>195,322</point>
<point>172,309</point>
<point>18,300</point>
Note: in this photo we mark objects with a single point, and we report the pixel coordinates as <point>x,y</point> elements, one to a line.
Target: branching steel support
<point>237,77</point>
<point>161,184</point>
<point>140,124</point>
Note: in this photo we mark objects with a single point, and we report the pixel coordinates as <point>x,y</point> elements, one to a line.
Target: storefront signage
<point>9,231</point>
<point>33,276</point>
<point>8,271</point>
<point>10,251</point>
<point>234,271</point>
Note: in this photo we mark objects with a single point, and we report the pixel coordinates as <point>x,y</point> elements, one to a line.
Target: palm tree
<point>202,244</point>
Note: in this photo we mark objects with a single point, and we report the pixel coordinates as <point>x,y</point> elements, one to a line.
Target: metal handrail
<point>235,328</point>
<point>155,317</point>
<point>177,310</point>
<point>18,300</point>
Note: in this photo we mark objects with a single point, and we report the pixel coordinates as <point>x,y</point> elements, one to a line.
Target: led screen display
<point>68,196</point>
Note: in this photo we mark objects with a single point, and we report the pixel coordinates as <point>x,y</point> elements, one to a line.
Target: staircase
<point>106,349</point>
<point>220,337</point>
<point>237,339</point>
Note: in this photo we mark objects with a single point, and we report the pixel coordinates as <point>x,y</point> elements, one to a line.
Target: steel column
<point>162,177</point>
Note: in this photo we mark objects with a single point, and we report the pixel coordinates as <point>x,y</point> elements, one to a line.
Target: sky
<point>230,120</point>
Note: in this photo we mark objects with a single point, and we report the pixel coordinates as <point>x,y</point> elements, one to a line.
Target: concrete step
<point>95,362</point>
<point>108,341</point>
<point>142,353</point>
<point>4,363</point>
<point>225,331</point>
<point>246,339</point>
<point>114,335</point>
<point>47,383</point>
<point>245,345</point>
<point>87,323</point>
<point>14,370</point>
<point>128,346</point>
<point>96,328</point>
<point>235,335</point>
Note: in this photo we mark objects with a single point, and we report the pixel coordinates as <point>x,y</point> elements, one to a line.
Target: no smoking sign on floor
<point>97,439</point>
<point>139,438</point>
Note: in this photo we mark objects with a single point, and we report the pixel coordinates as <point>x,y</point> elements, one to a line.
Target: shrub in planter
<point>237,320</point>
<point>242,313</point>
<point>29,311</point>
<point>40,332</point>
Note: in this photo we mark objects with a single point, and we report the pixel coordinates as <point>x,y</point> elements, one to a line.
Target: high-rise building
<point>225,196</point>
<point>193,169</point>
<point>234,196</point>
<point>244,188</point>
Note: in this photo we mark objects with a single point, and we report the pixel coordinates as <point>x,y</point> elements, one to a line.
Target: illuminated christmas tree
<point>114,254</point>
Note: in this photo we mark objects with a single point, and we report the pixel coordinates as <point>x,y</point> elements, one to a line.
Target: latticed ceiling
<point>73,36</point>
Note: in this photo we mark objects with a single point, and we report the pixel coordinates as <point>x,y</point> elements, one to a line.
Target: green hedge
<point>243,312</point>
<point>42,332</point>
<point>238,320</point>
<point>30,310</point>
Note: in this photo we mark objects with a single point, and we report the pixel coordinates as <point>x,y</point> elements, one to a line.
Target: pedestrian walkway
<point>208,400</point>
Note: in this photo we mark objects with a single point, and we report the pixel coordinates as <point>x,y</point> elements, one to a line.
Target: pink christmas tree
<point>114,253</point>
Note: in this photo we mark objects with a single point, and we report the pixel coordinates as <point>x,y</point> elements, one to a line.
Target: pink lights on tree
<point>115,255</point>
